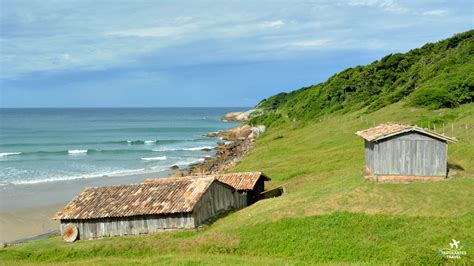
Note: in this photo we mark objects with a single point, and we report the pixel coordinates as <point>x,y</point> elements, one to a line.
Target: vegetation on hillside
<point>436,75</point>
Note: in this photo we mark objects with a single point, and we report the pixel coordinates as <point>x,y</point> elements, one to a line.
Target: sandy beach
<point>26,210</point>
<point>27,222</point>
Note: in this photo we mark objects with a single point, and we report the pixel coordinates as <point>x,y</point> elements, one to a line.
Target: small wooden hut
<point>396,152</point>
<point>146,208</point>
<point>248,185</point>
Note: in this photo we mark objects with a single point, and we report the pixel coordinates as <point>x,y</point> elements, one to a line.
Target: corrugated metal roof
<point>179,196</point>
<point>383,131</point>
<point>239,181</point>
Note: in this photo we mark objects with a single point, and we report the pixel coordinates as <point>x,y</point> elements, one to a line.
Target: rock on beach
<point>238,116</point>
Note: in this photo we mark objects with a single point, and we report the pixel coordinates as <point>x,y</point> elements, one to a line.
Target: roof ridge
<point>388,129</point>
<point>239,180</point>
<point>178,179</point>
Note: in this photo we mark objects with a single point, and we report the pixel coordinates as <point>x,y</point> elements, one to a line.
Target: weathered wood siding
<point>369,154</point>
<point>410,154</point>
<point>122,226</point>
<point>218,199</point>
<point>240,198</point>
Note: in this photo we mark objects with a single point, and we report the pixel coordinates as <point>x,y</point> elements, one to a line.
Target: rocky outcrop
<point>238,116</point>
<point>227,156</point>
<point>241,140</point>
<point>257,131</point>
<point>239,133</point>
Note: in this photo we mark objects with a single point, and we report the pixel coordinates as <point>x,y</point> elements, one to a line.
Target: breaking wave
<point>189,162</point>
<point>5,154</point>
<point>123,142</point>
<point>201,148</point>
<point>74,152</point>
<point>84,176</point>
<point>161,158</point>
<point>77,152</point>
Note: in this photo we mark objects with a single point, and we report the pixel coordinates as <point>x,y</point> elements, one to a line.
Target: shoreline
<point>27,222</point>
<point>26,210</point>
<point>28,213</point>
<point>24,196</point>
<point>228,156</point>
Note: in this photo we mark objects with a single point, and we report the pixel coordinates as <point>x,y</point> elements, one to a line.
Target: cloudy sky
<point>200,53</point>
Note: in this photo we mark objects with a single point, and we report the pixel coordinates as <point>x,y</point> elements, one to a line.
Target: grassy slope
<point>330,214</point>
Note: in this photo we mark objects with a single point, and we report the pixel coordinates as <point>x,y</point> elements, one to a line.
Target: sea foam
<point>141,142</point>
<point>5,154</point>
<point>187,163</point>
<point>185,149</point>
<point>198,148</point>
<point>75,177</point>
<point>73,152</point>
<point>161,158</point>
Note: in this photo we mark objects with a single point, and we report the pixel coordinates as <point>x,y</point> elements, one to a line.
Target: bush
<point>434,98</point>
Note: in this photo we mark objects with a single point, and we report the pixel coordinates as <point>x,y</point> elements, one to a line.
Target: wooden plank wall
<point>240,199</point>
<point>369,155</point>
<point>122,226</point>
<point>218,199</point>
<point>410,154</point>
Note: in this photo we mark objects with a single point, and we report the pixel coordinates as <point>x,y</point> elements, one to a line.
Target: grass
<point>330,215</point>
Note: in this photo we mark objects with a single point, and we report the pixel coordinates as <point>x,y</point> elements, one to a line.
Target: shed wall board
<point>410,154</point>
<point>240,199</point>
<point>369,154</point>
<point>218,199</point>
<point>121,226</point>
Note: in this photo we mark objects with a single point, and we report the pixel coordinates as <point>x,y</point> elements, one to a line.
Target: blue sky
<point>200,53</point>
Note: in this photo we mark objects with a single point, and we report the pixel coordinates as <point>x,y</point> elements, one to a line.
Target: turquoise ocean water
<point>39,146</point>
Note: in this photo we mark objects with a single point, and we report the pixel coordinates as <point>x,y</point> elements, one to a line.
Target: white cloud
<point>436,12</point>
<point>385,5</point>
<point>314,43</point>
<point>161,31</point>
<point>66,56</point>
<point>363,2</point>
<point>272,24</point>
<point>177,27</point>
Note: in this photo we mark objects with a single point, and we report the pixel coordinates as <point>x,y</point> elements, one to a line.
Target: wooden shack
<point>146,208</point>
<point>396,152</point>
<point>248,185</point>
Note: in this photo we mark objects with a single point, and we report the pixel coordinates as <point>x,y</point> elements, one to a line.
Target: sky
<point>200,53</point>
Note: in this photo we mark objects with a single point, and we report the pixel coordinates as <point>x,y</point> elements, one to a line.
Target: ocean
<point>54,146</point>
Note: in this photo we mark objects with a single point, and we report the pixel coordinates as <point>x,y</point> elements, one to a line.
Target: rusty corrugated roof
<point>179,196</point>
<point>383,131</point>
<point>239,181</point>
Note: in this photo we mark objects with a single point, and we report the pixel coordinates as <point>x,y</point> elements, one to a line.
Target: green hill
<point>435,76</point>
<point>330,213</point>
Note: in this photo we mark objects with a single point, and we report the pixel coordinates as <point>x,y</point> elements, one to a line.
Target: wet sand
<point>26,222</point>
<point>26,210</point>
